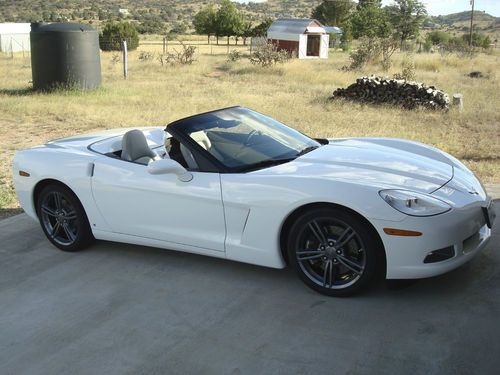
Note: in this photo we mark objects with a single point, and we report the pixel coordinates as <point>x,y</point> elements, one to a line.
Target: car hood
<point>381,162</point>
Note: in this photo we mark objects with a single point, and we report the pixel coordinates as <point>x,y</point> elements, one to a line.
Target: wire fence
<point>130,52</point>
<point>15,44</point>
<point>165,45</point>
<point>20,46</point>
<point>118,54</point>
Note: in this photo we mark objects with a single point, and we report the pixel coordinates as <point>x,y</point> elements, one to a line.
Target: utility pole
<point>471,21</point>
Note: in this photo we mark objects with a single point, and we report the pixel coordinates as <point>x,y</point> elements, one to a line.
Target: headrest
<point>135,146</point>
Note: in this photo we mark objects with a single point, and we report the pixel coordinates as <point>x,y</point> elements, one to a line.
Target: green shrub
<point>269,55</point>
<point>234,55</point>
<point>370,50</point>
<point>113,34</point>
<point>458,46</point>
<point>408,69</point>
<point>146,56</point>
<point>478,40</point>
<point>427,45</point>
<point>438,37</point>
<point>186,56</point>
<point>367,51</point>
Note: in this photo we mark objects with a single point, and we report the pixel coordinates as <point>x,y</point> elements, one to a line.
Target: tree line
<point>400,22</point>
<point>366,18</point>
<point>227,21</point>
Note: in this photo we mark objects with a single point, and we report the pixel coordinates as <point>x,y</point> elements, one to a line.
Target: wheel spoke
<point>70,215</point>
<point>69,234</point>
<point>48,211</point>
<point>317,232</point>
<point>55,229</point>
<point>309,254</point>
<point>57,200</point>
<point>345,237</point>
<point>353,266</point>
<point>328,274</point>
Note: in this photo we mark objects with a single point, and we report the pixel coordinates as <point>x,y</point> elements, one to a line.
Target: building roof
<point>294,26</point>
<point>333,30</point>
<point>15,28</point>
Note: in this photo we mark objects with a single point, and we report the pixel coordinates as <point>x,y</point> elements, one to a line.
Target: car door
<point>160,207</point>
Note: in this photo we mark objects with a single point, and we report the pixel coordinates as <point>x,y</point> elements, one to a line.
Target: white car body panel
<point>239,216</point>
<point>160,207</point>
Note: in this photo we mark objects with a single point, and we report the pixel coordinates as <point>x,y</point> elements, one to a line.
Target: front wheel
<point>332,251</point>
<point>63,218</point>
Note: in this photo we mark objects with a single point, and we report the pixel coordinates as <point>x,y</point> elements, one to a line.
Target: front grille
<point>440,255</point>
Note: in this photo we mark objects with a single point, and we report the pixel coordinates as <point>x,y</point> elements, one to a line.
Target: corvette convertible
<point>236,184</point>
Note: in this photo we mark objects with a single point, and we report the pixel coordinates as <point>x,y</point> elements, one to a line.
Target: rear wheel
<point>63,218</point>
<point>332,251</point>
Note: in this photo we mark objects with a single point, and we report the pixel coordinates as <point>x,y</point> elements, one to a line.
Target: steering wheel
<point>250,136</point>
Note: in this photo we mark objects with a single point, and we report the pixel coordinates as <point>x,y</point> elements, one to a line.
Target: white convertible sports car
<point>239,185</point>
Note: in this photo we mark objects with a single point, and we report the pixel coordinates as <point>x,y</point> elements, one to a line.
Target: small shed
<point>14,37</point>
<point>305,38</point>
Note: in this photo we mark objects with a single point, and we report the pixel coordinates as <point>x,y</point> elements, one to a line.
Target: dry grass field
<point>295,93</point>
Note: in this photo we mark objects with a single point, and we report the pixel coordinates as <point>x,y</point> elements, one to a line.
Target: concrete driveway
<point>116,309</point>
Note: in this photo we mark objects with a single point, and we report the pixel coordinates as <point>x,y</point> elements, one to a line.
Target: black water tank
<point>64,54</point>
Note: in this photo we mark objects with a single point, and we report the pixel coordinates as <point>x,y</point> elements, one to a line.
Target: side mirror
<point>166,166</point>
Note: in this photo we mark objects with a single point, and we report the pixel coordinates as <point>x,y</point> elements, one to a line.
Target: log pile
<point>399,92</point>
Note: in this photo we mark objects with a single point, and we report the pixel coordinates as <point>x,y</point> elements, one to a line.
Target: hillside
<point>161,16</point>
<point>460,22</point>
<point>454,18</point>
<point>171,14</point>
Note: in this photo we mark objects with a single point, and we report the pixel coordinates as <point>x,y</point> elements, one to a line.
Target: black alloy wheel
<point>63,218</point>
<point>332,251</point>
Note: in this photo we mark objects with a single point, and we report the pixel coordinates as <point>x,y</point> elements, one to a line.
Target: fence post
<point>125,61</point>
<point>458,101</point>
<point>164,45</point>
<point>11,49</point>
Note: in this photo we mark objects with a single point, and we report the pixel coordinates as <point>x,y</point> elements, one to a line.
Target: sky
<point>442,7</point>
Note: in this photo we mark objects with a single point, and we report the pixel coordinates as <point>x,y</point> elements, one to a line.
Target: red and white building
<point>304,38</point>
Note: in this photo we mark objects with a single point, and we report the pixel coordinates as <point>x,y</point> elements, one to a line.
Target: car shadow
<point>477,278</point>
<point>448,286</point>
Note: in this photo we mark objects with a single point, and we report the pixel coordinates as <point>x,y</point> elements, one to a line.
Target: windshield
<point>242,139</point>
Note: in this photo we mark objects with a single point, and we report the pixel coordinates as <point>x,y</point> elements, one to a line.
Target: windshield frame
<point>208,162</point>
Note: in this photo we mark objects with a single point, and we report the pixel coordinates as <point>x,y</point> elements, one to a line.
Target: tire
<point>63,219</point>
<point>332,251</point>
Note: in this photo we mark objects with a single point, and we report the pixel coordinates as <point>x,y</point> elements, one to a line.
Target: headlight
<point>414,204</point>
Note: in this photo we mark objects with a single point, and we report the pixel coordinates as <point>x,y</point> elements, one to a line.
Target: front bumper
<point>463,228</point>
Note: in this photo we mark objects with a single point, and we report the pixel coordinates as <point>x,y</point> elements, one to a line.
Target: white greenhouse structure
<point>14,37</point>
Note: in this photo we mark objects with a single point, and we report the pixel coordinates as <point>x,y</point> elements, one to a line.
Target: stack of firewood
<point>398,92</point>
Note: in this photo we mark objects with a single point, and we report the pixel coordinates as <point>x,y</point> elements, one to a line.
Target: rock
<point>476,74</point>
